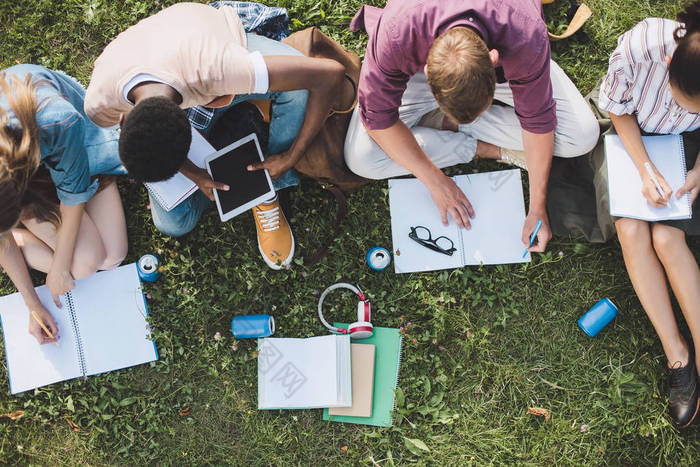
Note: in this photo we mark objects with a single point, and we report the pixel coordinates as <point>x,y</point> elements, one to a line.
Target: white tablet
<point>246,189</point>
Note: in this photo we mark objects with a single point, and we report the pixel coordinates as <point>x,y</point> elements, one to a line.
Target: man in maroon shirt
<point>410,121</point>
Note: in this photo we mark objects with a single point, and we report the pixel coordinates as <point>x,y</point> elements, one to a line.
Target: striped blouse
<point>637,79</point>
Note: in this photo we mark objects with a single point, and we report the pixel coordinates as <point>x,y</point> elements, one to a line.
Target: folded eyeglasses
<point>440,244</point>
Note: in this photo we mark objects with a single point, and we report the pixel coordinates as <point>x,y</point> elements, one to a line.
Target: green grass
<point>485,343</point>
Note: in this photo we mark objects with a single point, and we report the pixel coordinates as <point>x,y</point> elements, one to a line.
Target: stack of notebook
<point>353,383</point>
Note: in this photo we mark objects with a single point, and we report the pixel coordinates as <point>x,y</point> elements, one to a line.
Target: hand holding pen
<point>654,187</point>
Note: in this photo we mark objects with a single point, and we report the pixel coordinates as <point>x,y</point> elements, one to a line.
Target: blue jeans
<point>287,116</point>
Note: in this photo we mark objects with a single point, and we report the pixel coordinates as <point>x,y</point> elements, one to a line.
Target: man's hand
<point>650,192</point>
<point>450,199</point>
<point>35,328</point>
<point>276,164</point>
<point>543,235</point>
<point>692,185</point>
<point>59,281</point>
<point>205,183</point>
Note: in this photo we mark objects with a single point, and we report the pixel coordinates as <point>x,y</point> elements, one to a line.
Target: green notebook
<point>386,375</point>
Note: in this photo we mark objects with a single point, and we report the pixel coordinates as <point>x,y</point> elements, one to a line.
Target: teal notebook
<point>386,374</point>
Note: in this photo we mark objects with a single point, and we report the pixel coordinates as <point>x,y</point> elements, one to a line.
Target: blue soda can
<point>148,268</point>
<point>598,317</point>
<point>378,258</point>
<point>251,326</point>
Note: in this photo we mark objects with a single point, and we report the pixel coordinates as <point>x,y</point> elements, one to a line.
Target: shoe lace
<point>269,219</point>
<point>677,375</point>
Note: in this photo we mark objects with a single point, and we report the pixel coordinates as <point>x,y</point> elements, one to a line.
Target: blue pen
<point>534,236</point>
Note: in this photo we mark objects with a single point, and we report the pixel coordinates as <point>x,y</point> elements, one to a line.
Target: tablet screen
<point>244,186</point>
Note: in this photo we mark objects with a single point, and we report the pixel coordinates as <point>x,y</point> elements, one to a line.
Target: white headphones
<point>362,328</point>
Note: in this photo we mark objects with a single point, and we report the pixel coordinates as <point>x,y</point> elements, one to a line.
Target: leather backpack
<point>324,159</point>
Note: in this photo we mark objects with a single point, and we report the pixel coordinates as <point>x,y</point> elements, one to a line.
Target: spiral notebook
<point>387,342</point>
<point>496,229</point>
<point>178,188</point>
<point>625,185</point>
<point>102,327</point>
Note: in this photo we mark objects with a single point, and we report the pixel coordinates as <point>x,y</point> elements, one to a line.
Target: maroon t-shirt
<point>401,34</point>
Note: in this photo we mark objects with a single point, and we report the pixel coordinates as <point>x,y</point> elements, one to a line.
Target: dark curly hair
<point>685,64</point>
<point>154,141</point>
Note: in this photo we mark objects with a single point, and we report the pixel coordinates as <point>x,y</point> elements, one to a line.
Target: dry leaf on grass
<point>539,412</point>
<point>16,415</point>
<point>72,424</point>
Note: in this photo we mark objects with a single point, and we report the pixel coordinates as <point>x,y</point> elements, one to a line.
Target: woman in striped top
<point>652,85</point>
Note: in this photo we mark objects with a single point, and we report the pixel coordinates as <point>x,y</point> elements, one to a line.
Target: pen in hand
<point>533,236</point>
<point>44,328</point>
<point>654,179</point>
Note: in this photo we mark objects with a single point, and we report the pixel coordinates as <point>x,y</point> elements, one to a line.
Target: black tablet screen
<point>244,186</point>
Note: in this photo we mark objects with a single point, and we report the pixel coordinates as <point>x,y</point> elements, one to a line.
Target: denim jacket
<point>73,148</point>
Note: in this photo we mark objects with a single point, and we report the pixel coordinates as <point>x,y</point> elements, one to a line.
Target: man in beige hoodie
<point>192,54</point>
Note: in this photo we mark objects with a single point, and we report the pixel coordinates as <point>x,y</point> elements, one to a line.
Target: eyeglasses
<point>440,244</point>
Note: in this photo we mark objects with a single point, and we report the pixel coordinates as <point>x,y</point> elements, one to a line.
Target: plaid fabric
<point>271,22</point>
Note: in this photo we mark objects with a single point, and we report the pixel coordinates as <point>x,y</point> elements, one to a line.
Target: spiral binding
<point>76,335</point>
<point>396,381</point>
<point>685,170</point>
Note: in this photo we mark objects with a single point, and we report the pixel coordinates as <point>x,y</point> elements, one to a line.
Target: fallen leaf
<point>344,449</point>
<point>72,424</point>
<point>185,412</point>
<point>539,412</point>
<point>16,415</point>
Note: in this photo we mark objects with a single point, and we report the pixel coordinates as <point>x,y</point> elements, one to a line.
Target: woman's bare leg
<point>683,274</point>
<point>106,211</point>
<point>36,253</point>
<point>649,281</point>
<point>89,251</point>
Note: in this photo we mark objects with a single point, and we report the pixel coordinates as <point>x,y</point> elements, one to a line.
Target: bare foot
<point>487,150</point>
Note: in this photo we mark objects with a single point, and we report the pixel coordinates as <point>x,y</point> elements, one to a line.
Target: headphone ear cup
<point>364,311</point>
<point>361,330</point>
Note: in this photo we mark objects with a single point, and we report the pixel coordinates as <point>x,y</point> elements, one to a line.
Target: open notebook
<point>625,184</point>
<point>304,373</point>
<point>496,229</point>
<point>102,327</point>
<point>177,188</point>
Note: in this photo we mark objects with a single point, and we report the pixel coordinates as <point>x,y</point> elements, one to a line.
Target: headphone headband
<point>339,285</point>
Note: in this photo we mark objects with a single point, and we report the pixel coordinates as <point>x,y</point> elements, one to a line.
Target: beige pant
<point>576,132</point>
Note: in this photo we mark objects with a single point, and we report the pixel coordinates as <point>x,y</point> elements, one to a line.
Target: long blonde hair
<point>22,193</point>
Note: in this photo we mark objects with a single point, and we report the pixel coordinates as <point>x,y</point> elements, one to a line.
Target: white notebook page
<point>411,205</point>
<point>497,227</point>
<point>112,320</point>
<point>301,373</point>
<point>29,364</point>
<point>177,188</point>
<point>625,183</point>
<point>111,323</point>
<point>494,237</point>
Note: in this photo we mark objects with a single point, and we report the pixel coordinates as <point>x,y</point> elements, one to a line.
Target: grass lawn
<point>485,343</point>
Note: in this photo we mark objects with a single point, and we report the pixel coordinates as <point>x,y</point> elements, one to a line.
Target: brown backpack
<point>324,159</point>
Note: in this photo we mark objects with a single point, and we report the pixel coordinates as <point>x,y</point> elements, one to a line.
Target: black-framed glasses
<point>440,244</point>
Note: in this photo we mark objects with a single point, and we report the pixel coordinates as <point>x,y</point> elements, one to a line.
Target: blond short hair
<point>461,74</point>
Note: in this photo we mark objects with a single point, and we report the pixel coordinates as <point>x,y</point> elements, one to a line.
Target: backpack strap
<point>339,220</point>
<point>580,17</point>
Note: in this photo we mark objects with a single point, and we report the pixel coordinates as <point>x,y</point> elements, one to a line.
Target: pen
<point>653,179</point>
<point>43,326</point>
<point>533,236</point>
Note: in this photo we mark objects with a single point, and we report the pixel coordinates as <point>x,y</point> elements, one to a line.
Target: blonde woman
<point>56,216</point>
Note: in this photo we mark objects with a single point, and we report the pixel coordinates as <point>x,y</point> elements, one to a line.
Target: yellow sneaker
<point>275,238</point>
